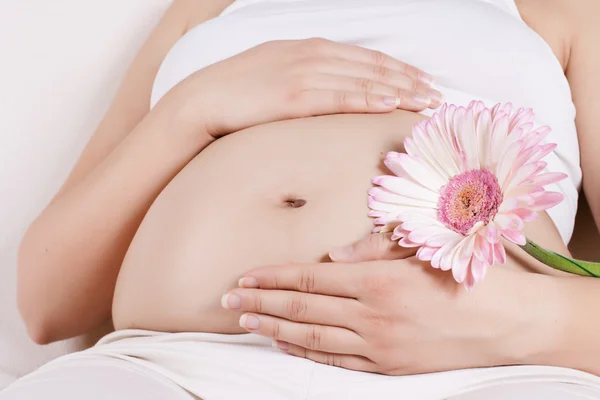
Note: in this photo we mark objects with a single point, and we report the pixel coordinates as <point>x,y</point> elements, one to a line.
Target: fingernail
<point>436,98</point>
<point>425,78</point>
<point>248,282</point>
<point>249,322</point>
<point>340,253</point>
<point>421,100</point>
<point>391,101</point>
<point>231,301</point>
<point>281,345</point>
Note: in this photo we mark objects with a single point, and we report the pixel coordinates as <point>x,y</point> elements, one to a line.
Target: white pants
<point>146,365</point>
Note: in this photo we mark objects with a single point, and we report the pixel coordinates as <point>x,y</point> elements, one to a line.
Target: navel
<point>294,202</point>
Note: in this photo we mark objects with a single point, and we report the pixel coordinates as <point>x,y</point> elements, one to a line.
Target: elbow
<point>37,321</point>
<point>32,307</point>
<point>38,331</point>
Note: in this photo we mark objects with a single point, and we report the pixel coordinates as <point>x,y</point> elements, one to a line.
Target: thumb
<point>376,246</point>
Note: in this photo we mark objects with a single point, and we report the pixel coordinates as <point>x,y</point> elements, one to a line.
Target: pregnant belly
<point>274,194</point>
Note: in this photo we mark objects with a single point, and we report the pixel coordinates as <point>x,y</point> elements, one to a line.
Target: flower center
<point>468,198</point>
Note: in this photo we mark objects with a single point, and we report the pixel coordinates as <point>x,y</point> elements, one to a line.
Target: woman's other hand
<point>292,79</point>
<point>396,316</point>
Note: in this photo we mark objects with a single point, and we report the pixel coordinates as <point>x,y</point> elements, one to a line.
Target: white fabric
<point>213,366</point>
<point>475,49</point>
<point>61,62</point>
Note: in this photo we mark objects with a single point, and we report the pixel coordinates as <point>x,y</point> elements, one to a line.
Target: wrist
<point>184,120</point>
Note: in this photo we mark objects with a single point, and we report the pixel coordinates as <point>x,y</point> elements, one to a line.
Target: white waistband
<point>216,366</point>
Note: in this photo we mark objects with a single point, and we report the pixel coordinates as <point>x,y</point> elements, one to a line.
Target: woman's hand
<point>395,316</point>
<point>292,79</point>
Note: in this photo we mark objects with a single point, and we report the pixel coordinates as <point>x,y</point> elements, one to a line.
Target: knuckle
<point>364,85</point>
<point>258,307</point>
<point>315,44</point>
<point>341,100</point>
<point>381,72</point>
<point>368,101</point>
<point>376,242</point>
<point>314,338</point>
<point>296,309</point>
<point>306,281</point>
<point>378,57</point>
<point>411,71</point>
<point>276,330</point>
<point>333,360</point>
<point>414,85</point>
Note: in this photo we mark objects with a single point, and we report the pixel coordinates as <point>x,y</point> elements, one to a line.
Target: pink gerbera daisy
<point>469,177</point>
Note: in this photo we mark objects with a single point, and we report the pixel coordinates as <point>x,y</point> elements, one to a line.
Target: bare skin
<point>105,190</point>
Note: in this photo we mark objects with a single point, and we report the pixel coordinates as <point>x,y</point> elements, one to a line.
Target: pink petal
<point>549,178</point>
<point>509,221</point>
<point>425,253</point>
<point>490,233</point>
<point>468,247</point>
<point>422,173</point>
<point>479,248</point>
<point>459,265</point>
<point>478,269</point>
<point>499,253</point>
<point>460,269</point>
<point>386,207</point>
<point>524,173</point>
<point>442,239</point>
<point>437,256</point>
<point>525,214</point>
<point>421,235</point>
<point>505,166</point>
<point>415,224</point>
<point>406,187</point>
<point>536,136</point>
<point>515,236</point>
<point>546,200</point>
<point>487,251</point>
<point>383,195</point>
<point>484,131</point>
<point>469,282</point>
<point>448,260</point>
<point>405,242</point>
<point>542,151</point>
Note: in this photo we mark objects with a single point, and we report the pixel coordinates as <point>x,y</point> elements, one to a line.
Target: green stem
<point>562,263</point>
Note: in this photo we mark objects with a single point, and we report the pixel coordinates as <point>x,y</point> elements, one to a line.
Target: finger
<point>376,246</point>
<point>341,280</point>
<point>293,306</point>
<point>346,361</point>
<point>314,337</point>
<point>408,100</point>
<point>377,58</point>
<point>321,102</point>
<point>381,74</point>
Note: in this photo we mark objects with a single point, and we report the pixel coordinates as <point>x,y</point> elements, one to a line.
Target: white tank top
<point>475,49</point>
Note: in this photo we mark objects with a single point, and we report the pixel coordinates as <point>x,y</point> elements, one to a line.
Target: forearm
<point>554,318</point>
<point>70,257</point>
<point>573,322</point>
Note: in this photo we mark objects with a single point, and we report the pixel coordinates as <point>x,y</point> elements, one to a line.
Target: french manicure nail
<point>231,301</point>
<point>249,322</point>
<point>248,282</point>
<point>421,100</point>
<point>391,101</point>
